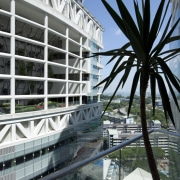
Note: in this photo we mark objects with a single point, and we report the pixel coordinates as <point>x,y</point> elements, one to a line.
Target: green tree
<point>147,55</point>
<point>148,100</point>
<point>105,143</point>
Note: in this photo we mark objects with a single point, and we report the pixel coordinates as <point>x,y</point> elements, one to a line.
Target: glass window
<point>29,50</point>
<point>74,88</point>
<point>56,41</point>
<point>4,44</point>
<point>29,31</point>
<point>74,100</point>
<point>56,87</point>
<point>4,65</point>
<point>74,62</point>
<point>4,107</point>
<point>56,56</point>
<point>4,87</point>
<point>26,105</point>
<point>74,75</point>
<point>27,87</point>
<point>27,68</point>
<point>56,72</point>
<point>4,23</point>
<point>74,48</point>
<point>56,102</point>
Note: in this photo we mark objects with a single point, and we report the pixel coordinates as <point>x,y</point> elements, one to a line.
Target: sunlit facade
<point>175,63</point>
<point>49,108</point>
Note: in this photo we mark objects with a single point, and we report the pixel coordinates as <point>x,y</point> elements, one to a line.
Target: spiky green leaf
<point>133,90</point>
<point>169,73</point>
<point>165,97</point>
<point>139,18</point>
<point>153,91</point>
<point>172,92</point>
<point>155,26</point>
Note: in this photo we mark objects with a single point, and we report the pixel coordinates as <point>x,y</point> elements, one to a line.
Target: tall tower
<point>175,63</point>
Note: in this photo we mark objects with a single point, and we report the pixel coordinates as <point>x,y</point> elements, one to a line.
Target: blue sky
<point>112,36</point>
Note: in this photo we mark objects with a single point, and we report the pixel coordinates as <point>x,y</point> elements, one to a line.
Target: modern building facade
<point>49,108</point>
<point>175,63</point>
<point>175,67</point>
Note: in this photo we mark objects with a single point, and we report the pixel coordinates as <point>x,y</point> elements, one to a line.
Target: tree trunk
<point>151,161</point>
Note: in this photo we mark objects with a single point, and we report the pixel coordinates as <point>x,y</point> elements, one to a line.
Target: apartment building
<point>49,108</point>
<point>119,133</point>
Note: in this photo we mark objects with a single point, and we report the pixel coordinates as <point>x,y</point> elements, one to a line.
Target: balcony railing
<point>127,158</point>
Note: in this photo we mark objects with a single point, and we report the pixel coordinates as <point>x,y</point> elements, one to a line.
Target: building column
<point>12,51</point>
<point>67,64</point>
<point>46,62</point>
<point>81,61</point>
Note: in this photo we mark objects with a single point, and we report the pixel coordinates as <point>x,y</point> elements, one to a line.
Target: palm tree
<point>148,57</point>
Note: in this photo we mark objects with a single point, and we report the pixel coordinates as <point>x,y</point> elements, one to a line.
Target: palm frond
<point>164,15</point>
<point>153,91</point>
<point>165,98</point>
<point>168,73</point>
<point>130,62</point>
<point>122,51</point>
<point>145,55</point>
<point>146,24</point>
<point>133,89</point>
<point>174,53</point>
<point>155,26</point>
<point>112,75</point>
<point>114,93</point>
<point>114,72</point>
<point>116,53</point>
<point>139,18</point>
<point>131,31</point>
<point>115,17</point>
<point>171,39</point>
<point>167,39</point>
<point>172,92</point>
<point>126,17</point>
<point>169,51</point>
<point>166,29</point>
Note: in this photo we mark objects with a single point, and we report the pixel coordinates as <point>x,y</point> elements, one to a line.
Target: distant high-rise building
<point>49,108</point>
<point>175,63</point>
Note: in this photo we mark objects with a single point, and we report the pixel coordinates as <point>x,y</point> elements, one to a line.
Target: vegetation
<point>105,143</point>
<point>146,54</point>
<point>136,153</point>
<point>135,110</point>
<point>5,107</point>
<point>174,164</point>
<point>131,158</point>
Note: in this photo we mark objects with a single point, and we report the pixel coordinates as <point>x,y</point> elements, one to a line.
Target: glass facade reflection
<point>175,63</point>
<point>30,159</point>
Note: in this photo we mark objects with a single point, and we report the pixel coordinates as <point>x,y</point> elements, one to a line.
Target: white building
<point>47,98</point>
<point>155,124</point>
<point>120,133</point>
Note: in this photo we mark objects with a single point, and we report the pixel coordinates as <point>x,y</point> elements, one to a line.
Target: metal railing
<point>68,170</point>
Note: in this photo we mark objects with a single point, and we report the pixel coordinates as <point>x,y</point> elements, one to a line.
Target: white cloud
<point>118,32</point>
